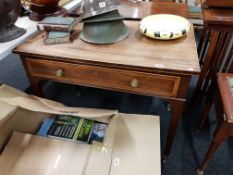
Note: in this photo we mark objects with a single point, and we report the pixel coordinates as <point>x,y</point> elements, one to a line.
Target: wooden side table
<point>214,45</point>
<point>223,100</point>
<point>136,65</point>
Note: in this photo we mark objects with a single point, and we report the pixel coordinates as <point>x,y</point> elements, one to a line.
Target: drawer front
<point>109,78</point>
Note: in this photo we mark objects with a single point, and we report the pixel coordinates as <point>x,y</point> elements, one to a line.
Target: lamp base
<point>10,32</point>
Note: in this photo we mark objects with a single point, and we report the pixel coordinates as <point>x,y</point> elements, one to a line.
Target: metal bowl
<point>106,32</point>
<point>92,8</point>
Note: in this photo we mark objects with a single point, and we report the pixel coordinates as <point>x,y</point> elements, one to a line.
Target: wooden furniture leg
<point>217,60</point>
<point>204,116</point>
<point>177,106</point>
<point>206,65</point>
<point>34,81</point>
<point>220,135</point>
<point>202,44</point>
<point>36,87</point>
<point>222,98</point>
<point>229,62</point>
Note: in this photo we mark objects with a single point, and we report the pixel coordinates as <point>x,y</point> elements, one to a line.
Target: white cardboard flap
<point>136,147</point>
<point>22,112</point>
<point>101,153</point>
<point>37,104</point>
<point>27,154</point>
<point>131,144</point>
<point>7,110</point>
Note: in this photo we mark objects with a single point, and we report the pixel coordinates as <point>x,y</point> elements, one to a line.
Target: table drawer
<point>109,78</point>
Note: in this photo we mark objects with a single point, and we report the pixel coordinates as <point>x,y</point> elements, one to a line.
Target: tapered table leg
<point>220,135</point>
<point>177,106</point>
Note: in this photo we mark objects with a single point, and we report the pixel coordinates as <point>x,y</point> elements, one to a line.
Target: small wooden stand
<point>223,99</point>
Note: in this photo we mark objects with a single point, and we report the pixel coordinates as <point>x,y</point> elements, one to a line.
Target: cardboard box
<point>131,144</point>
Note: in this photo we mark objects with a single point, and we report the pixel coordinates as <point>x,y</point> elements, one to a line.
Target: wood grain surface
<point>117,79</point>
<point>217,3</point>
<point>219,16</point>
<point>135,52</point>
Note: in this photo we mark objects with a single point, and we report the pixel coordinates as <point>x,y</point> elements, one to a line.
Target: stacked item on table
<point>57,29</point>
<point>195,12</point>
<point>102,23</point>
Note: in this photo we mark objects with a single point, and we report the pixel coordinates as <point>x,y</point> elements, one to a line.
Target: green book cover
<point>57,24</point>
<point>67,119</point>
<point>85,131</point>
<point>62,130</point>
<point>71,128</point>
<point>55,34</point>
<point>64,127</point>
<point>195,9</point>
<point>58,20</point>
<point>57,37</point>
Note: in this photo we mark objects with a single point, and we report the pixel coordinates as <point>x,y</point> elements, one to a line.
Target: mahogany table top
<point>137,51</point>
<point>219,16</point>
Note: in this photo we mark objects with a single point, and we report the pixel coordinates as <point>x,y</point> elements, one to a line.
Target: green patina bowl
<point>104,29</point>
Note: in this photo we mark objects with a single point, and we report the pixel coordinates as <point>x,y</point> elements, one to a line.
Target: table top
<point>136,52</point>
<point>219,16</point>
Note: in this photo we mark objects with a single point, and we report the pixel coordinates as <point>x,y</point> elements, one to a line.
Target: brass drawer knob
<point>134,83</point>
<point>59,73</point>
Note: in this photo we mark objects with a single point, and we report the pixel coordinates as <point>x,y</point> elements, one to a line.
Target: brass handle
<point>59,73</point>
<point>134,83</point>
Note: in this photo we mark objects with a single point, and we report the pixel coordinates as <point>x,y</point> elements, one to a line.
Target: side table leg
<point>177,106</point>
<point>34,81</point>
<point>35,85</point>
<point>208,103</point>
<point>220,134</point>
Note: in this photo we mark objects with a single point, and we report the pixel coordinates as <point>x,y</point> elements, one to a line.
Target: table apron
<point>138,82</point>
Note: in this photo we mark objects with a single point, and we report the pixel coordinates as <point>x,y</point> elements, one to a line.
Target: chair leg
<point>204,115</point>
<point>205,68</point>
<point>220,134</point>
<point>202,43</point>
<point>208,104</point>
